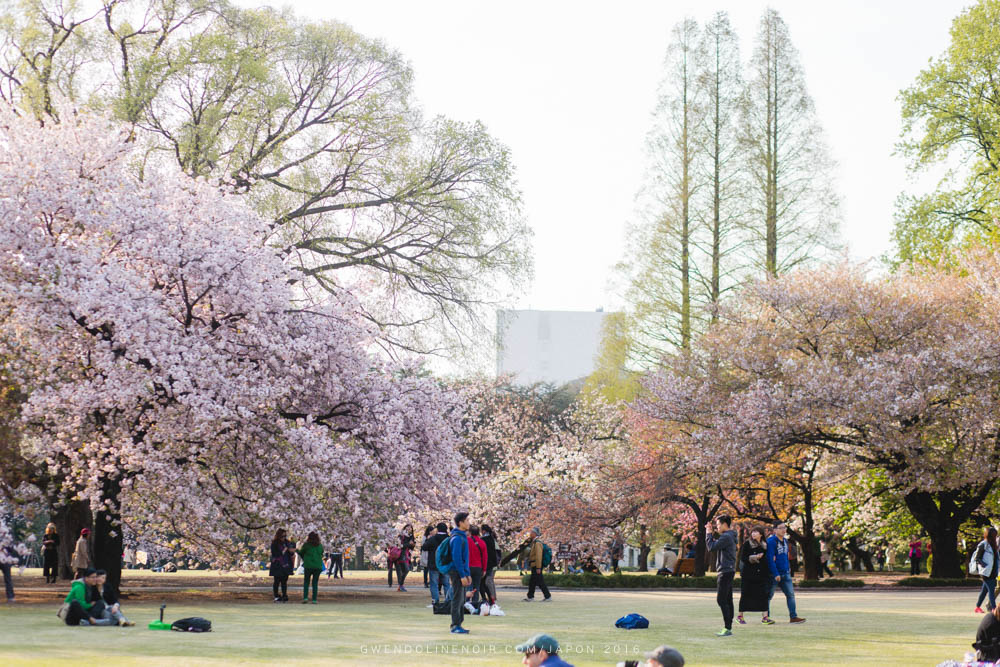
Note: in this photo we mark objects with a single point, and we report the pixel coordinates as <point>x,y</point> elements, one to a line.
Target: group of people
<point>91,602</point>
<point>763,565</point>
<point>283,552</point>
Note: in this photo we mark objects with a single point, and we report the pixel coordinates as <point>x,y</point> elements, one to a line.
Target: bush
<point>832,583</point>
<point>589,580</point>
<point>928,582</point>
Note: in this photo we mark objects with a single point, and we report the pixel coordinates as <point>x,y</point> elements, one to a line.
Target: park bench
<point>684,566</point>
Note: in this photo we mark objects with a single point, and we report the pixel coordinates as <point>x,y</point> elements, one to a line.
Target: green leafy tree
<point>951,121</point>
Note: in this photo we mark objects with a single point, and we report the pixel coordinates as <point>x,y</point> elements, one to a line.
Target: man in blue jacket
<point>777,563</point>
<point>459,573</point>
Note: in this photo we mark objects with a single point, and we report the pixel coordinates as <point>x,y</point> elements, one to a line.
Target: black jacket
<point>431,545</point>
<point>988,638</point>
<point>492,558</point>
<point>756,570</point>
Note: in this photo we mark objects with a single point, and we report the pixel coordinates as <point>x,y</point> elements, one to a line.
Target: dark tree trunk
<point>704,509</point>
<point>69,519</point>
<point>859,557</point>
<point>941,513</point>
<point>643,548</point>
<point>108,539</point>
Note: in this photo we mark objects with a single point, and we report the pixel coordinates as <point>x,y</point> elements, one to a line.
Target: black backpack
<point>192,624</point>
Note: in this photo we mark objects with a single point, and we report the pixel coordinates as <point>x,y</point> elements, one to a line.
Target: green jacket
<point>312,556</point>
<point>78,592</point>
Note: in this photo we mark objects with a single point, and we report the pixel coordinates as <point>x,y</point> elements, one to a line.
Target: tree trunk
<point>643,548</point>
<point>941,513</point>
<point>108,539</point>
<point>69,518</point>
<point>859,557</point>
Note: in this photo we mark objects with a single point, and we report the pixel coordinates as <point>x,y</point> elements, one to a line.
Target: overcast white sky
<point>569,86</point>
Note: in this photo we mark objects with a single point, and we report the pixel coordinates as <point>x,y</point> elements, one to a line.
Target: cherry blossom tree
<point>173,373</point>
<point>896,373</point>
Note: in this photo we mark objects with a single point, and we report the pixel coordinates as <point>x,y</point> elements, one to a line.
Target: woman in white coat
<point>984,563</point>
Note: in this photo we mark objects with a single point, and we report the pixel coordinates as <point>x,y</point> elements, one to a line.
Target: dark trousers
<point>401,569</point>
<point>427,573</point>
<point>724,596</point>
<point>282,583</point>
<point>824,566</point>
<point>914,566</point>
<point>537,579</point>
<point>457,598</point>
<point>337,567</point>
<point>311,573</point>
<point>8,583</point>
<point>50,565</point>
<point>477,585</point>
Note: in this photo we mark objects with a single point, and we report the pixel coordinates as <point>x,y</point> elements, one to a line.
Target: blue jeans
<point>989,588</point>
<point>435,579</point>
<point>787,589</point>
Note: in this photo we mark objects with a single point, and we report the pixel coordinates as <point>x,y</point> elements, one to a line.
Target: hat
<point>545,643</point>
<point>85,531</point>
<point>536,530</point>
<point>666,656</point>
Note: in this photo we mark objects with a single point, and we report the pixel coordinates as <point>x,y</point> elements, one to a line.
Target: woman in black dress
<point>50,554</point>
<point>754,577</point>
<point>280,565</point>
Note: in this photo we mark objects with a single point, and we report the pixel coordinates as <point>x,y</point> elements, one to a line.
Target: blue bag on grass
<point>632,622</point>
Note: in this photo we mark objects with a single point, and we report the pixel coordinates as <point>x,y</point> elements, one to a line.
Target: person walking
<point>915,555</point>
<point>754,577</point>
<point>723,545</point>
<point>824,559</point>
<point>458,570</point>
<point>984,563</point>
<point>81,561</point>
<point>312,564</point>
<point>616,550</point>
<point>777,564</point>
<point>478,557</point>
<point>536,562</point>
<point>8,558</point>
<point>281,565</point>
<point>50,554</point>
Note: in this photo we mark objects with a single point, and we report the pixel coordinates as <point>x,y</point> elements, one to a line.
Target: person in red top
<point>915,555</point>
<point>477,565</point>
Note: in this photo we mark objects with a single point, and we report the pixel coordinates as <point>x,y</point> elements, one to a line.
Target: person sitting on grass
<point>542,650</point>
<point>988,637</point>
<point>664,656</point>
<point>110,607</point>
<point>86,609</point>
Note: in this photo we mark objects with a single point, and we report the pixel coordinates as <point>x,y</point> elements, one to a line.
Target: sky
<point>570,86</point>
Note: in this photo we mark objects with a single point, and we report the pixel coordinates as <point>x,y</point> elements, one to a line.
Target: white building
<point>554,346</point>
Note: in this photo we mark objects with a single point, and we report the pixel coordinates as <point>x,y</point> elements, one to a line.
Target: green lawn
<point>884,628</point>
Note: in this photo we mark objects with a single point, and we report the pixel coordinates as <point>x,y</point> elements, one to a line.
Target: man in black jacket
<point>435,579</point>
<point>724,546</point>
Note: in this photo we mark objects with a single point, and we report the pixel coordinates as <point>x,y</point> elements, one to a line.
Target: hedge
<point>588,580</point>
<point>928,582</point>
<point>835,582</point>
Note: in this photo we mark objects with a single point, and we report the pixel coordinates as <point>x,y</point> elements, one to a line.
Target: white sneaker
<point>484,610</point>
<point>495,610</point>
<point>430,606</point>
<point>470,608</point>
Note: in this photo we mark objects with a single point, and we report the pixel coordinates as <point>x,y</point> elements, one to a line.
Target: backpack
<point>394,554</point>
<point>632,622</point>
<point>443,556</point>
<point>546,555</point>
<point>192,624</point>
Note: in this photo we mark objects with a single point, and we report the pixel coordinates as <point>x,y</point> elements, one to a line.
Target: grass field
<point>863,628</point>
